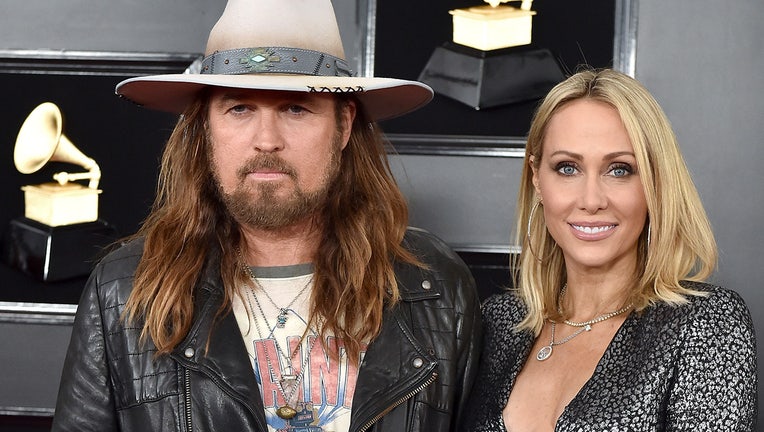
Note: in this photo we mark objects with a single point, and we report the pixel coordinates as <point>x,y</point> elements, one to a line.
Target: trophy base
<point>55,253</point>
<point>485,79</point>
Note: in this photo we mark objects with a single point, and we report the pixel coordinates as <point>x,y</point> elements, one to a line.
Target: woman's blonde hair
<point>677,242</point>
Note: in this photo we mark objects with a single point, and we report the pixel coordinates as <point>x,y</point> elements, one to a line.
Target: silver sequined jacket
<point>687,368</point>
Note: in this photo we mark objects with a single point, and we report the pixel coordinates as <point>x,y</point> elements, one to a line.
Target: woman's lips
<point>590,232</point>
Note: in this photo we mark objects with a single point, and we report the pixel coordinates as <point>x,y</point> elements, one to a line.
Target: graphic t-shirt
<point>291,370</point>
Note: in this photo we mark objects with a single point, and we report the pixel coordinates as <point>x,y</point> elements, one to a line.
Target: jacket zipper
<point>408,396</point>
<point>187,382</point>
<point>220,385</point>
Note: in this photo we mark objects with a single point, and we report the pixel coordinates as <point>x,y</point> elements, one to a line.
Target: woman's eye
<point>621,170</point>
<point>566,169</point>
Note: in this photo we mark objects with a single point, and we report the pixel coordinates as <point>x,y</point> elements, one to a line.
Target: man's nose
<point>268,136</point>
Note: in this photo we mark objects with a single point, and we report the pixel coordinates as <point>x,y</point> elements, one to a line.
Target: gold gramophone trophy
<point>60,234</point>
<point>489,62</point>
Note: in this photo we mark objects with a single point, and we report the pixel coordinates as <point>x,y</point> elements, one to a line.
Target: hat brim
<point>382,98</point>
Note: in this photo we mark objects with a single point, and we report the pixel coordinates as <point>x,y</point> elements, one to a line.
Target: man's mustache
<point>269,162</point>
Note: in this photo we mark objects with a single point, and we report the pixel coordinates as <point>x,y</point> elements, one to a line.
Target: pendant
<point>281,318</point>
<point>288,384</point>
<point>288,377</point>
<point>544,353</point>
<point>286,412</point>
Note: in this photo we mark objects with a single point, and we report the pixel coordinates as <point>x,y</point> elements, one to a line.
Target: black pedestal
<point>55,253</point>
<point>483,79</point>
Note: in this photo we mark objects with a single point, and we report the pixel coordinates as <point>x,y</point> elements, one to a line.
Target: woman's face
<point>593,201</point>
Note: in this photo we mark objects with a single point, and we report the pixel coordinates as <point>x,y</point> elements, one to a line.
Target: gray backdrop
<point>704,62</point>
<point>702,59</point>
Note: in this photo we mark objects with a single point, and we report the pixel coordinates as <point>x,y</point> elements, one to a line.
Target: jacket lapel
<point>396,365</point>
<point>214,347</point>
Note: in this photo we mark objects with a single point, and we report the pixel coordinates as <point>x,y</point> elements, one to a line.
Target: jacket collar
<point>213,348</point>
<point>415,283</point>
<point>396,364</point>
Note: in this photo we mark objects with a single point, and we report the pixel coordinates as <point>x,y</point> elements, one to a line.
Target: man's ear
<point>347,118</point>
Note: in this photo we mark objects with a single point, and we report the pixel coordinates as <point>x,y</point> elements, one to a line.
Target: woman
<point>611,327</point>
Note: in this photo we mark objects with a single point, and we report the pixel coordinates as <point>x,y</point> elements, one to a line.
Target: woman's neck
<point>590,295</point>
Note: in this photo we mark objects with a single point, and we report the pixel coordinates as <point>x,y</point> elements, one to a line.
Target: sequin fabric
<point>685,368</point>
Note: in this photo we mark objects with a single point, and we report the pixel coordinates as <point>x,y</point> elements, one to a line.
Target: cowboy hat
<point>288,45</point>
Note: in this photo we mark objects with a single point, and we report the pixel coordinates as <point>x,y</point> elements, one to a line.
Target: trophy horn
<point>40,141</point>
<point>60,233</point>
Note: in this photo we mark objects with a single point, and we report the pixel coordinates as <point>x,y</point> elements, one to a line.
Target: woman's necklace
<point>591,321</point>
<point>281,319</point>
<point>546,351</point>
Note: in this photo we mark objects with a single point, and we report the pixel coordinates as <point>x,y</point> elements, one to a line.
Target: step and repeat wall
<point>458,166</point>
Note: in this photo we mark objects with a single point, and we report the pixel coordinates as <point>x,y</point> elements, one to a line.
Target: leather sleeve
<point>469,337</point>
<point>85,400</point>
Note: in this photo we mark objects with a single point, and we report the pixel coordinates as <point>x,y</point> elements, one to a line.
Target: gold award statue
<point>60,234</point>
<point>490,61</point>
<point>493,26</point>
<point>61,203</point>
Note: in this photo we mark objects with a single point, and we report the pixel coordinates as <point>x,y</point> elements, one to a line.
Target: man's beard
<point>272,212</point>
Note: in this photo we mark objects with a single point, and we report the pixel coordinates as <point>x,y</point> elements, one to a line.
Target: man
<point>274,286</point>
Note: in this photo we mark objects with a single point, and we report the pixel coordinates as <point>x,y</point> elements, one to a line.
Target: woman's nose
<point>593,196</point>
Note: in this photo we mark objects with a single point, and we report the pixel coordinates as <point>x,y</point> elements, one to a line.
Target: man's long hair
<point>363,223</point>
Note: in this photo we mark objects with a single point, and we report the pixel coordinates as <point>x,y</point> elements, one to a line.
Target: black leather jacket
<point>416,375</point>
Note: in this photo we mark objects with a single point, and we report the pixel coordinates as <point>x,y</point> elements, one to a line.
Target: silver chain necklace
<point>282,317</point>
<point>546,351</point>
<point>291,381</point>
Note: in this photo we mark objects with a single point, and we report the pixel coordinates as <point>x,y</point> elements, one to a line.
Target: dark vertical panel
<point>125,141</point>
<point>576,32</point>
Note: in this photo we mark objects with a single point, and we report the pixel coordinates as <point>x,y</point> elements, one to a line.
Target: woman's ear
<point>535,179</point>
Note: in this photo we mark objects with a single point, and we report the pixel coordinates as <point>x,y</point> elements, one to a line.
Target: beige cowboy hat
<point>289,45</point>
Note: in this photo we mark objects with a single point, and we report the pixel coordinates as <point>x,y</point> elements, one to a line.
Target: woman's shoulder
<point>505,306</point>
<point>709,306</point>
<point>715,299</point>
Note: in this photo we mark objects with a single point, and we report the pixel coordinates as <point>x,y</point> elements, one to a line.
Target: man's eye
<point>296,109</point>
